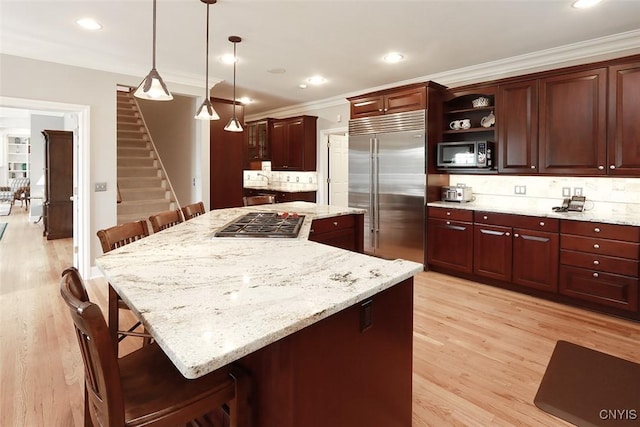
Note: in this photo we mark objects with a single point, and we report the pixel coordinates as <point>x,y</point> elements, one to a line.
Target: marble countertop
<point>209,301</point>
<point>544,210</point>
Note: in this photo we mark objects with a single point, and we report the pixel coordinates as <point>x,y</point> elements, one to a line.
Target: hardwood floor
<point>479,352</point>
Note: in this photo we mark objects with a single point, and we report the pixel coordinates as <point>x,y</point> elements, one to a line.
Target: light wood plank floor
<point>479,352</point>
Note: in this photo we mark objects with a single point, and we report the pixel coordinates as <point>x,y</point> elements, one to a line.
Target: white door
<point>338,170</point>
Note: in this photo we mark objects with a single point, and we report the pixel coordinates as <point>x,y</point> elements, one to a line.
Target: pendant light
<point>206,111</point>
<point>153,87</point>
<point>234,125</point>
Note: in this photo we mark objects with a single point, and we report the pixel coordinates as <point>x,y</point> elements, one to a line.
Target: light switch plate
<point>100,186</point>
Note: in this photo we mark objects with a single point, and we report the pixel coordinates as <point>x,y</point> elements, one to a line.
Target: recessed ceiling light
<point>228,58</point>
<point>246,100</point>
<point>89,24</point>
<point>583,4</point>
<point>302,86</point>
<point>316,80</point>
<point>393,57</point>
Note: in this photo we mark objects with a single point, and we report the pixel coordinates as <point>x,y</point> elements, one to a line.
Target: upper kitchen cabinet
<point>406,98</point>
<point>573,133</point>
<point>257,141</point>
<point>293,144</point>
<point>624,119</point>
<point>517,127</point>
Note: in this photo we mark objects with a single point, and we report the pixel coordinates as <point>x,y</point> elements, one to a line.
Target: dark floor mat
<point>589,388</point>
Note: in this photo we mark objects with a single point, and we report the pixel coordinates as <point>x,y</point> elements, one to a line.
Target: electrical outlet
<point>516,189</point>
<point>566,191</point>
<point>100,186</point>
<point>520,189</point>
<point>577,191</point>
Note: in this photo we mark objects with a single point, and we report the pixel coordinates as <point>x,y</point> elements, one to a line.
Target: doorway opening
<point>334,165</point>
<point>77,121</point>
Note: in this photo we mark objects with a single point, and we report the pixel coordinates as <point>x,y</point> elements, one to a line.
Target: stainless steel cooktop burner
<point>263,224</point>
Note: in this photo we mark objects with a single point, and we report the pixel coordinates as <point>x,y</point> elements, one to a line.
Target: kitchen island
<point>325,333</point>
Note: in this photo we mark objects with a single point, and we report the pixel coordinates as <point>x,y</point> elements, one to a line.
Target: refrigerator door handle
<point>371,193</point>
<point>376,192</point>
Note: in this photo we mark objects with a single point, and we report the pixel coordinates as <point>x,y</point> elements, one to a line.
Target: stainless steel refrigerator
<point>387,177</point>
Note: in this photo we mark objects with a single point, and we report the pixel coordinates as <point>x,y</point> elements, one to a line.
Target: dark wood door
<point>492,251</point>
<point>279,145</point>
<point>517,118</point>
<point>450,244</point>
<point>572,136</point>
<point>624,120</point>
<point>535,259</point>
<point>58,192</point>
<point>227,159</point>
<point>296,147</point>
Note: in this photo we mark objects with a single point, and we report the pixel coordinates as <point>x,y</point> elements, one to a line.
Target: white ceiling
<point>342,40</point>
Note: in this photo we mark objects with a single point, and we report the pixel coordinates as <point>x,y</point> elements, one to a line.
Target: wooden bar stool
<point>193,210</point>
<point>259,200</point>
<point>110,239</point>
<point>164,220</point>
<point>144,387</point>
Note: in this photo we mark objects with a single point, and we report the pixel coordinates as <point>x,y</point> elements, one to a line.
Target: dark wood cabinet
<point>257,142</point>
<point>624,119</point>
<point>450,239</point>
<point>406,98</point>
<point>518,249</point>
<point>600,263</point>
<point>517,109</point>
<point>226,157</point>
<point>293,144</point>
<point>58,188</point>
<point>345,232</point>
<point>573,134</point>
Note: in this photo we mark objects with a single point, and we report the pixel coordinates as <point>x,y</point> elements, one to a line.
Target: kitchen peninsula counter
<point>211,301</point>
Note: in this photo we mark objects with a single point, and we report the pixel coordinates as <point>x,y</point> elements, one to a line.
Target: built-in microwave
<point>465,154</point>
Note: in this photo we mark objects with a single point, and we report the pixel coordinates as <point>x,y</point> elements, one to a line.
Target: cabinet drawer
<point>626,233</point>
<point>596,245</point>
<point>331,224</point>
<point>452,214</point>
<point>519,221</point>
<point>612,290</point>
<point>598,262</point>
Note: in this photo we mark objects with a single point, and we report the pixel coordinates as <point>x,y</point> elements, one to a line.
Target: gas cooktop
<point>263,224</point>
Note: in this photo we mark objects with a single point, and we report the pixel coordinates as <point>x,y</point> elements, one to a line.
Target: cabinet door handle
<point>596,262</point>
<point>596,246</point>
<point>448,213</point>
<point>541,223</point>
<point>448,222</point>
<point>515,235</point>
<point>597,230</point>
<point>311,231</point>
<point>600,167</point>
<point>507,234</point>
<point>612,166</point>
<point>596,275</point>
<point>380,109</point>
<point>335,223</point>
<point>533,166</point>
<point>485,217</point>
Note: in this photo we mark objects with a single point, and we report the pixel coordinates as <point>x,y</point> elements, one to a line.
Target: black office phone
<point>574,204</point>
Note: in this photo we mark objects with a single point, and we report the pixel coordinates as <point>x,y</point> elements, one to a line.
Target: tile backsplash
<point>303,181</point>
<point>606,194</point>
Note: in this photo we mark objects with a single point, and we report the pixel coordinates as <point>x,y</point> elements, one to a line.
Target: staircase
<point>143,187</point>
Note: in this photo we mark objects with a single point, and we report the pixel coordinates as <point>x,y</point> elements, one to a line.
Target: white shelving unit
<point>18,151</point>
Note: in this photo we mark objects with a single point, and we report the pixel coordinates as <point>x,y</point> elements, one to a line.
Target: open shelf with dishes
<point>469,117</point>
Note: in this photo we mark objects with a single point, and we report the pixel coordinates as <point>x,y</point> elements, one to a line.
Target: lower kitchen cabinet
<point>594,265</point>
<point>345,232</point>
<point>450,239</point>
<point>600,263</point>
<point>521,250</point>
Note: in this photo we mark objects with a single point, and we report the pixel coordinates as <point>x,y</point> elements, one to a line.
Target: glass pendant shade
<point>206,111</point>
<point>153,87</point>
<point>233,125</point>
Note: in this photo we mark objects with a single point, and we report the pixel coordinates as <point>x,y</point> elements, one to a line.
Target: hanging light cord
<point>235,60</point>
<point>206,79</point>
<point>154,35</point>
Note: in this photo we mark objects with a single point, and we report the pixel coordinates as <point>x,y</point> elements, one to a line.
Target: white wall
<point>25,78</point>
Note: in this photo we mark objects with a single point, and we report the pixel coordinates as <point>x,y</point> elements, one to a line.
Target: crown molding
<point>607,47</point>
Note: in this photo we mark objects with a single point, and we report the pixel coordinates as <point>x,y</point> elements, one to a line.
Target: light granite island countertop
<point>315,326</point>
